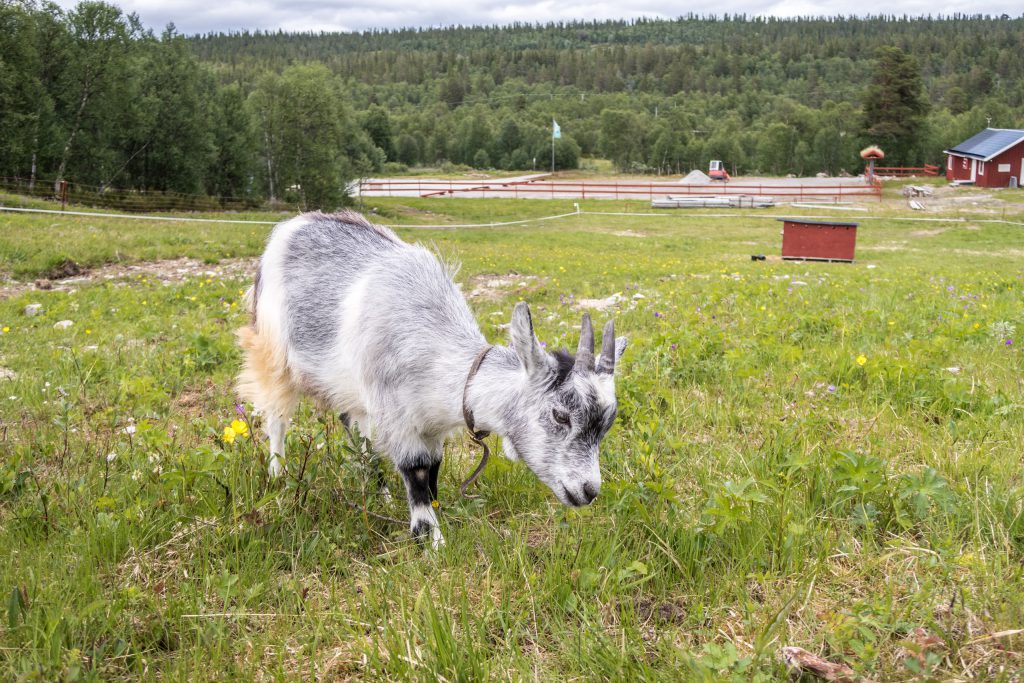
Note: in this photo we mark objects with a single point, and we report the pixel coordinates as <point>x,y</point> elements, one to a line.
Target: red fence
<point>549,189</point>
<point>906,171</point>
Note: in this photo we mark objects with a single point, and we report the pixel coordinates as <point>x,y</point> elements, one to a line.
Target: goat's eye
<point>560,416</point>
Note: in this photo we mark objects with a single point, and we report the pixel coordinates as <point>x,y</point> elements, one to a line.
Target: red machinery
<point>716,171</point>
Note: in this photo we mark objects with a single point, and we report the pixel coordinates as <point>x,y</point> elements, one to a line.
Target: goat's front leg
<point>421,487</point>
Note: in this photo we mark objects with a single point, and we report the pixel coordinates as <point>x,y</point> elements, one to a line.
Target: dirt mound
<point>696,177</point>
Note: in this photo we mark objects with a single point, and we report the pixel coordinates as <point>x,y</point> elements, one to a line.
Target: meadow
<point>817,455</point>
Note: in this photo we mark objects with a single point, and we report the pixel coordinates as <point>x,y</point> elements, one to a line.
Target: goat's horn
<point>585,353</point>
<point>606,363</point>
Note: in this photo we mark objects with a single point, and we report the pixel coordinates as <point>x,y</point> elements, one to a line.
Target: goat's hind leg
<point>421,487</point>
<point>276,427</point>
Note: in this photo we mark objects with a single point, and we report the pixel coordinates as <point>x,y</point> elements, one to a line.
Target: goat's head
<point>566,407</point>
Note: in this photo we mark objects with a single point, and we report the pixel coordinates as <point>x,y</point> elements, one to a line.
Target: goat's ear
<point>524,341</point>
<point>620,347</point>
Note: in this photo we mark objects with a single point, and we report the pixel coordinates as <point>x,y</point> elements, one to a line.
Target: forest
<point>91,96</point>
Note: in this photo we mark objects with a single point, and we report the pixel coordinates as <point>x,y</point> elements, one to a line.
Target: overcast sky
<point>200,16</point>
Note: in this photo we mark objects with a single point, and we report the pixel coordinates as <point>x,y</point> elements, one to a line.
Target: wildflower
<point>862,359</point>
<point>1002,329</point>
<point>240,428</point>
<point>1009,342</point>
<point>831,388</point>
<point>229,435</point>
<point>240,409</point>
<point>674,346</point>
<point>130,429</point>
<point>111,456</point>
<point>659,314</point>
<point>6,329</point>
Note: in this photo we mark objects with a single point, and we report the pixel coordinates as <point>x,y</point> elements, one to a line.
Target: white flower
<point>1002,329</point>
<point>111,456</point>
<point>130,429</point>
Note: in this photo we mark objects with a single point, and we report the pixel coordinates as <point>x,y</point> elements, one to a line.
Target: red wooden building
<point>814,240</point>
<point>988,159</point>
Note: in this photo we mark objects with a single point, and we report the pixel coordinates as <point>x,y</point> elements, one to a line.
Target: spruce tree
<point>895,107</point>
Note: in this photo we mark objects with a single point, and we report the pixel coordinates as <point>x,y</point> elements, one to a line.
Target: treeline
<point>91,96</point>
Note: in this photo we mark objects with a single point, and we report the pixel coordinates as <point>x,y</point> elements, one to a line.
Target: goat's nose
<point>590,492</point>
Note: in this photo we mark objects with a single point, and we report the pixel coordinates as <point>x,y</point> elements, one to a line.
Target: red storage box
<point>818,240</point>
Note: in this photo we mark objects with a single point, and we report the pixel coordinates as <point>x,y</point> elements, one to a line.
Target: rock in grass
<point>32,310</point>
<point>62,325</point>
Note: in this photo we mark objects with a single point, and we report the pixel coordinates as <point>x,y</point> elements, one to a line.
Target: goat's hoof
<point>276,468</point>
<point>424,530</point>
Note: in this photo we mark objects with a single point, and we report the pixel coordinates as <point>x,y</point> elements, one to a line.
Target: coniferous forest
<point>91,96</point>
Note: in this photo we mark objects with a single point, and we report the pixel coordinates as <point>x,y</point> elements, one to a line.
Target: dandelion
<point>229,435</point>
<point>862,359</point>
<point>6,329</point>
<point>240,428</point>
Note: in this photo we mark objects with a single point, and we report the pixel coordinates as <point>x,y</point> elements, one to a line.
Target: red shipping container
<point>818,240</point>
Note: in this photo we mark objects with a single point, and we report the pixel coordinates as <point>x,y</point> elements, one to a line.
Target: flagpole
<point>552,146</point>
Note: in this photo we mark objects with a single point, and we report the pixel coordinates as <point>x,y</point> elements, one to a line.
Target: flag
<point>556,130</point>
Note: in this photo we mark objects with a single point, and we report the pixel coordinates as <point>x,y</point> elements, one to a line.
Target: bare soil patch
<point>166,271</point>
<point>495,287</point>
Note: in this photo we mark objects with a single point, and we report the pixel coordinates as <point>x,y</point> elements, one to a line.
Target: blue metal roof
<point>988,143</point>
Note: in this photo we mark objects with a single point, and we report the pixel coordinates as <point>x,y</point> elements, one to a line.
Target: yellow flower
<point>6,329</point>
<point>229,435</point>
<point>240,428</point>
<point>976,326</point>
<point>435,504</point>
<point>862,359</point>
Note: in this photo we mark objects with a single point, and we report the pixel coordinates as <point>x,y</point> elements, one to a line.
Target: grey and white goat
<point>376,329</point>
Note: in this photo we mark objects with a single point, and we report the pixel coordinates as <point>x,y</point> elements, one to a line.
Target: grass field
<point>817,455</point>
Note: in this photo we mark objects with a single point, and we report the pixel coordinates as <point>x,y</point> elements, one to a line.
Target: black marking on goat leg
<point>417,484</point>
<point>434,470</point>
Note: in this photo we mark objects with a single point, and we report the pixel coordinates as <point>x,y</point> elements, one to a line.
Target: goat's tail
<point>265,380</point>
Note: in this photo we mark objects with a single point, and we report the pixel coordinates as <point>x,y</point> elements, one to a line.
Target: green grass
<point>762,487</point>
